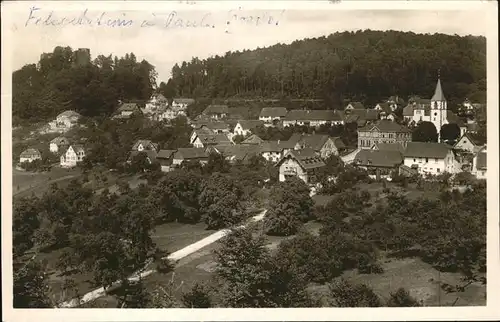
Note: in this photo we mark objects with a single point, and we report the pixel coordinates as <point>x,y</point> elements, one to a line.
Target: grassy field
<point>25,183</point>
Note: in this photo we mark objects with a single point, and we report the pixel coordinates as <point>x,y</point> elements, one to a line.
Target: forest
<point>59,82</point>
<point>365,66</point>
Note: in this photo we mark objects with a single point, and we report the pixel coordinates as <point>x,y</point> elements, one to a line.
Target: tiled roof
<point>408,110</point>
<point>271,146</point>
<point>212,125</point>
<point>237,152</point>
<point>165,154</point>
<point>30,152</point>
<point>190,153</point>
<point>69,113</point>
<point>250,124</point>
<point>128,107</point>
<point>214,138</point>
<point>312,115</point>
<point>273,112</point>
<point>356,105</point>
<point>385,107</point>
<point>385,126</point>
<point>306,158</point>
<point>147,144</point>
<point>253,139</point>
<point>59,140</point>
<point>338,142</point>
<point>474,138</point>
<point>313,141</point>
<point>389,147</point>
<point>363,114</point>
<point>184,100</point>
<point>378,158</point>
<point>239,113</point>
<point>426,150</point>
<point>216,109</point>
<point>78,148</point>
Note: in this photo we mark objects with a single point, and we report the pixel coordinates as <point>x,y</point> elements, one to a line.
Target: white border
<point>491,311</point>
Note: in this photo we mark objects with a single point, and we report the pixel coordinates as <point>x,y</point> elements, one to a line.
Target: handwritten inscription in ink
<point>174,19</point>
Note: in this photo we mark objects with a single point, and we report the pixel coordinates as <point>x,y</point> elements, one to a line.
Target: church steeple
<point>438,93</point>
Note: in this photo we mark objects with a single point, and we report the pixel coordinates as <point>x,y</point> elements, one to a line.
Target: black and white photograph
<point>223,154</point>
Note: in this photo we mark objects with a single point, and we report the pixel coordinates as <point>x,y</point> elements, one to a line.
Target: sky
<point>161,35</point>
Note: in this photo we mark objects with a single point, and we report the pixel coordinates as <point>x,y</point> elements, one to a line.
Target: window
<point>414,160</point>
<point>436,160</point>
<point>426,160</point>
<point>438,170</point>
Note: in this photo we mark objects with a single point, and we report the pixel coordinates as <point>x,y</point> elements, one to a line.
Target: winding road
<point>188,250</point>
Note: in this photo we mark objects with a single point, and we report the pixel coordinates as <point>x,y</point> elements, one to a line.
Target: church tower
<point>438,107</point>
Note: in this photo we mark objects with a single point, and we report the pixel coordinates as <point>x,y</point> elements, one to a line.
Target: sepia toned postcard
<point>250,160</point>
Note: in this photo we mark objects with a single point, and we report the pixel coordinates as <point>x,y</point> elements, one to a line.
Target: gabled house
<point>204,140</point>
<point>73,154</point>
<point>189,155</point>
<point>479,164</point>
<point>166,159</point>
<point>182,103</point>
<point>214,126</point>
<point>126,110</point>
<point>65,121</point>
<point>470,142</point>
<point>216,111</point>
<point>238,113</point>
<point>431,158</point>
<point>199,131</point>
<point>252,140</point>
<point>384,131</point>
<point>395,102</point>
<point>144,145</point>
<point>272,150</point>
<point>322,144</point>
<point>30,155</point>
<point>245,127</point>
<point>270,115</point>
<point>312,118</point>
<point>386,111</point>
<point>389,147</point>
<point>155,102</point>
<point>379,162</point>
<point>236,153</point>
<point>303,164</point>
<point>355,106</point>
<point>58,143</point>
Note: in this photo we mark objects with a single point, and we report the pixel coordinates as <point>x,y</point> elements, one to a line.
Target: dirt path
<point>90,296</point>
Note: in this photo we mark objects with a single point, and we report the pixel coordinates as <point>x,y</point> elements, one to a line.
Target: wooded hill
<point>365,66</point>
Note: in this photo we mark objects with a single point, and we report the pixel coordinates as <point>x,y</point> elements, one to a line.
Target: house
<point>182,103</point>
<point>430,158</point>
<point>58,143</point>
<point>157,101</point>
<point>386,111</point>
<point>237,153</point>
<point>303,164</point>
<point>469,142</point>
<point>73,154</point>
<point>384,131</point>
<point>252,140</point>
<point>189,155</point>
<point>238,113</point>
<point>389,147</point>
<point>322,144</point>
<point>272,150</point>
<point>198,131</point>
<point>361,116</point>
<point>166,159</point>
<point>270,115</point>
<point>216,112</point>
<point>479,164</point>
<point>379,162</point>
<point>245,127</point>
<point>144,145</point>
<point>203,140</point>
<point>434,110</point>
<point>355,106</point>
<point>214,126</point>
<point>395,102</point>
<point>312,118</point>
<point>30,155</point>
<point>64,121</point>
<point>126,110</point>
<point>151,155</point>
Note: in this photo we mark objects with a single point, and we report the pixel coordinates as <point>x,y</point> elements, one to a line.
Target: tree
<point>449,132</point>
<point>220,201</point>
<point>216,163</point>
<point>133,295</point>
<point>291,205</point>
<point>30,286</point>
<point>24,224</point>
<point>401,298</point>
<point>346,294</point>
<point>197,297</point>
<point>425,132</point>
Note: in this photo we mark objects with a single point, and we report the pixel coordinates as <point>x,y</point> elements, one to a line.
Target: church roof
<point>438,93</point>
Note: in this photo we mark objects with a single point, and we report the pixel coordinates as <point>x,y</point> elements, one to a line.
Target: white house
<point>156,101</point>
<point>269,115</point>
<point>479,164</point>
<point>431,158</point>
<point>142,145</point>
<point>246,127</point>
<point>302,164</point>
<point>30,155</point>
<point>59,143</point>
<point>75,153</point>
<point>182,103</point>
<point>65,121</point>
<point>312,118</point>
<point>469,142</point>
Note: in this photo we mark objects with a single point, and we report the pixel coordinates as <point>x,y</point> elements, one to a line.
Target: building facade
<point>384,131</point>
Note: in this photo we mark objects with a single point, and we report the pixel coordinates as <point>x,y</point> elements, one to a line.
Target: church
<point>434,110</point>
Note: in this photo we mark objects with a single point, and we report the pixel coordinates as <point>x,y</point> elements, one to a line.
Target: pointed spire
<point>438,93</point>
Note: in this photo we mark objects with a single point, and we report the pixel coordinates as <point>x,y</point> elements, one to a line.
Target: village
<point>384,144</point>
